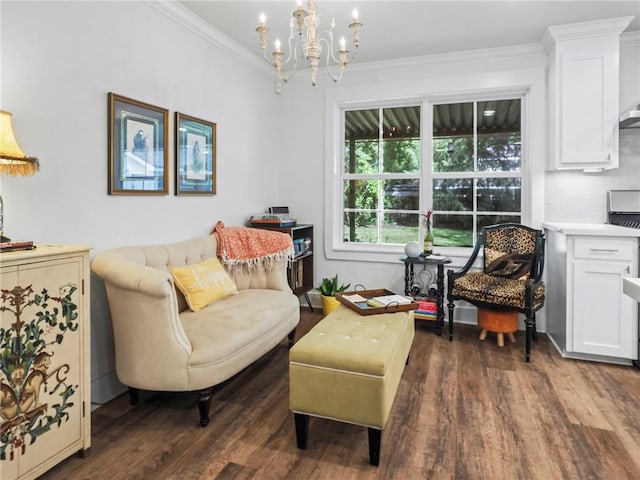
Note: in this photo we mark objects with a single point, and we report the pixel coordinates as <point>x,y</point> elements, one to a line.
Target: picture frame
<point>138,147</point>
<point>195,156</point>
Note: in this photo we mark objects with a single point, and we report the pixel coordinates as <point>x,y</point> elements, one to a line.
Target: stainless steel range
<point>623,209</point>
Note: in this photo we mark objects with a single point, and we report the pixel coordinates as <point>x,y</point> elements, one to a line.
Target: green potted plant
<point>328,289</point>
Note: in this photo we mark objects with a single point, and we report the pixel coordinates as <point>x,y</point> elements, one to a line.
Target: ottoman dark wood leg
<point>302,429</point>
<point>375,438</point>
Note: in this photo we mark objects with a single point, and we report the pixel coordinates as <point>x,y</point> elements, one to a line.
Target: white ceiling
<point>399,29</point>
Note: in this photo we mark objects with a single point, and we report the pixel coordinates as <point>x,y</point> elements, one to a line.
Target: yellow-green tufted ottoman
<point>348,368</point>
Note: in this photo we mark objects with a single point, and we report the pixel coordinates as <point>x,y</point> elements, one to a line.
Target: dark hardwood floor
<point>464,410</point>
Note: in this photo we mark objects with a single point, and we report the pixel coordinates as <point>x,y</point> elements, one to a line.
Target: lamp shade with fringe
<point>13,161</point>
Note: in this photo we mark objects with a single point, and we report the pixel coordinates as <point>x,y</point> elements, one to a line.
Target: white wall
<point>59,60</point>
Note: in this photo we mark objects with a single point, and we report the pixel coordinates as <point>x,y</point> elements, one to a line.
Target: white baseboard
<point>105,388</point>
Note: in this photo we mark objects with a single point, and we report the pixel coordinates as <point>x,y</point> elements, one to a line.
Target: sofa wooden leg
<point>133,396</point>
<point>292,337</point>
<point>204,405</point>
<point>302,429</point>
<point>375,439</point>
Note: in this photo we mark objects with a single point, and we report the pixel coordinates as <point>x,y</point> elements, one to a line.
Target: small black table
<point>409,277</point>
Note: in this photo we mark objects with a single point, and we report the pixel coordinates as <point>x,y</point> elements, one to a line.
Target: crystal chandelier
<point>305,40</point>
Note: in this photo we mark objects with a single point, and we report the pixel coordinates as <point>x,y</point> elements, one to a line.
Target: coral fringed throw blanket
<point>253,247</point>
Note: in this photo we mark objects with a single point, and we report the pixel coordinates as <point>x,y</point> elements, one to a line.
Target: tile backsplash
<point>575,196</point>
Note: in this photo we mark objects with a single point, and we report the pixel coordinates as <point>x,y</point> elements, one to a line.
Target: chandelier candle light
<point>306,40</point>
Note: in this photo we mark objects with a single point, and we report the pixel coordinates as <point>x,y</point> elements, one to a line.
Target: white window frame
<point>429,175</point>
<point>335,248</point>
<point>379,176</point>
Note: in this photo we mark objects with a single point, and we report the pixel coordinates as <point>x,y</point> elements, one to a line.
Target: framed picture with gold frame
<point>138,147</point>
<point>195,144</point>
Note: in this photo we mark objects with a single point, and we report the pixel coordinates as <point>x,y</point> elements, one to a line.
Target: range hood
<point>630,118</point>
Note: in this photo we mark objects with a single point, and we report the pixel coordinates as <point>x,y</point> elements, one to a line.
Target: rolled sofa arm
<point>150,343</point>
<point>131,276</point>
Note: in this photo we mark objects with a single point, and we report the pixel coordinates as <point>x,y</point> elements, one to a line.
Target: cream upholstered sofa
<point>161,345</point>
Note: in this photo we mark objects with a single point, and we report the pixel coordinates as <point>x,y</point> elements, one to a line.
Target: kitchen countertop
<point>592,229</point>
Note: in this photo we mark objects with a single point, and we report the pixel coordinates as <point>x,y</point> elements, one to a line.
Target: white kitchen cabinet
<point>45,405</point>
<point>583,101</point>
<point>588,316</point>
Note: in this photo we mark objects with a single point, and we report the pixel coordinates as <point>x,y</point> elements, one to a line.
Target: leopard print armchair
<point>511,278</point>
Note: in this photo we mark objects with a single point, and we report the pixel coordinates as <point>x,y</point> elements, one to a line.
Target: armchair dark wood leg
<point>535,328</point>
<point>302,429</point>
<point>292,337</point>
<point>375,439</point>
<point>529,324</point>
<point>204,405</point>
<point>133,396</point>
<point>451,305</point>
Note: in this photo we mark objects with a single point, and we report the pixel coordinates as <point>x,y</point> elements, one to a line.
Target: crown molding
<point>594,28</point>
<point>478,56</point>
<point>185,17</point>
<point>630,39</point>
<point>531,53</point>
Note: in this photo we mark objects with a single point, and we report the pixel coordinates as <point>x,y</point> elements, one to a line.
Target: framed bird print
<point>195,156</point>
<point>138,148</point>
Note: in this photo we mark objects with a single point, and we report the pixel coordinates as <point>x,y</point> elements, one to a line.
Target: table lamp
<point>13,161</point>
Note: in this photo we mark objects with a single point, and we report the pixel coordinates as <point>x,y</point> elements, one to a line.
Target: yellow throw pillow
<point>203,283</point>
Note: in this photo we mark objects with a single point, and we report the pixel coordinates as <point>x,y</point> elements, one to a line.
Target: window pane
<point>453,194</point>
<point>362,194</point>
<point>498,195</point>
<point>361,156</point>
<point>400,228</point>
<point>402,194</point>
<point>499,135</point>
<point>453,137</point>
<point>453,154</point>
<point>401,140</point>
<point>451,230</point>
<point>499,152</point>
<point>362,132</point>
<point>360,227</point>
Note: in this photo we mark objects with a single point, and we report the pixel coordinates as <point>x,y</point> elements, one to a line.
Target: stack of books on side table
<point>10,246</point>
<point>426,311</point>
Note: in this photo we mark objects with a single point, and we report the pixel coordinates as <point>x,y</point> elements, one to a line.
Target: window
<point>381,175</point>
<point>469,173</point>
<point>476,172</point>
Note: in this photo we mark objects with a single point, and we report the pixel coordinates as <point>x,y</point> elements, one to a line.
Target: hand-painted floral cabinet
<point>45,407</point>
